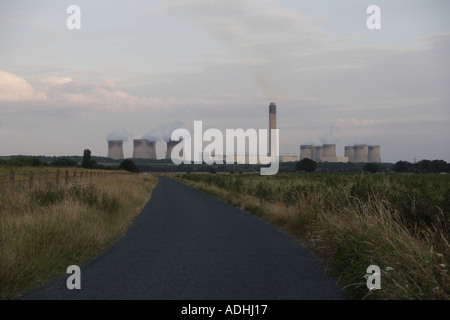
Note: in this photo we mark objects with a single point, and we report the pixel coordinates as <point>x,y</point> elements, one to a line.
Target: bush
<point>371,167</point>
<point>306,165</point>
<point>128,165</point>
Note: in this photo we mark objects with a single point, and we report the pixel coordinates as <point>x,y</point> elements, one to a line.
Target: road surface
<point>186,245</point>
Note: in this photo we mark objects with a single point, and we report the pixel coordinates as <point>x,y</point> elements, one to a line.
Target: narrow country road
<point>187,245</point>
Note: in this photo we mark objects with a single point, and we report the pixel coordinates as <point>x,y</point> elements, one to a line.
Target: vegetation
<point>351,221</point>
<point>423,166</point>
<point>47,227</point>
<point>306,165</point>
<point>128,165</point>
<point>371,167</point>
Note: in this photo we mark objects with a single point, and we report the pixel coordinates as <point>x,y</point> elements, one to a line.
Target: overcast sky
<point>139,67</point>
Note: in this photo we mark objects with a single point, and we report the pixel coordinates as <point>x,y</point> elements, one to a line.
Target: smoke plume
<point>121,135</point>
<point>169,128</point>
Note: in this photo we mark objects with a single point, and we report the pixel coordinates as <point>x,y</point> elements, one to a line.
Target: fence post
<point>11,179</point>
<point>81,174</point>
<point>74,174</point>
<point>30,180</point>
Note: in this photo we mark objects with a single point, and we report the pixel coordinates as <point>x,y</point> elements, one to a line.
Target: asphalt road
<point>186,245</point>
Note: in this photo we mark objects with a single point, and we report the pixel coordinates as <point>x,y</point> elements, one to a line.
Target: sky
<point>140,68</point>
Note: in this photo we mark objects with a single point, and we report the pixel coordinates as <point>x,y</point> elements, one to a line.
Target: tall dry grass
<point>398,222</point>
<point>48,227</point>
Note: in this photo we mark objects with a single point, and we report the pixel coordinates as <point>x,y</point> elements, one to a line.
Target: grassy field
<point>47,227</point>
<point>350,221</point>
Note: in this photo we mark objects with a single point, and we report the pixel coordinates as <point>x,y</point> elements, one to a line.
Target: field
<point>55,222</point>
<point>351,221</point>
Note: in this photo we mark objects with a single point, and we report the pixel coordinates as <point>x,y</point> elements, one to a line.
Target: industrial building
<point>324,153</point>
<point>115,149</point>
<point>363,153</point>
<point>144,149</point>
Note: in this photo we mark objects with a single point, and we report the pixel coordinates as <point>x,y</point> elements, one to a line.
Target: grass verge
<point>48,227</point>
<point>350,221</point>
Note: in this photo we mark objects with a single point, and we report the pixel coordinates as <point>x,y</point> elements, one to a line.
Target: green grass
<point>48,227</point>
<point>351,221</point>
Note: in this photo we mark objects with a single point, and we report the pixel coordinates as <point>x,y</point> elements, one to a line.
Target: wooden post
<point>57,177</point>
<point>81,174</point>
<point>30,180</point>
<point>74,174</point>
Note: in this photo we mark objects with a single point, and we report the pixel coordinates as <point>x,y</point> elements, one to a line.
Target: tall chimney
<point>115,149</point>
<point>272,123</point>
<point>373,154</point>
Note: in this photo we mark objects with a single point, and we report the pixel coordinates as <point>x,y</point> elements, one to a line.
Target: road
<point>186,245</point>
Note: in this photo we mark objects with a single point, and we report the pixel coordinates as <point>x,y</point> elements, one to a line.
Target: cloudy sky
<point>139,67</point>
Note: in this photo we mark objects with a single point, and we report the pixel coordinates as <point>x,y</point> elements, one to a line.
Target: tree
<point>402,166</point>
<point>306,164</point>
<point>128,165</point>
<point>64,162</point>
<point>371,167</point>
<point>86,163</point>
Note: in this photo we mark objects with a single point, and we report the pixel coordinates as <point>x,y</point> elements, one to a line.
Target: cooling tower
<point>373,154</point>
<point>170,145</point>
<point>144,149</point>
<point>272,122</point>
<point>317,152</point>
<point>115,149</point>
<point>329,151</point>
<point>360,153</point>
<point>306,151</point>
<point>349,153</point>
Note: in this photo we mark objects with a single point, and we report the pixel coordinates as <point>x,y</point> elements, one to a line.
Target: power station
<point>115,149</point>
<point>144,149</point>
<point>327,153</point>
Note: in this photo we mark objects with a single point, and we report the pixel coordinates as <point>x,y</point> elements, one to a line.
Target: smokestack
<point>329,151</point>
<point>115,149</point>
<point>170,145</point>
<point>349,153</point>
<point>305,151</point>
<point>373,154</point>
<point>272,123</point>
<point>360,154</point>
<point>144,149</point>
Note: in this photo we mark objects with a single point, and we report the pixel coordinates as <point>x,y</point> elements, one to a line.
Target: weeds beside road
<point>397,222</point>
<point>46,228</point>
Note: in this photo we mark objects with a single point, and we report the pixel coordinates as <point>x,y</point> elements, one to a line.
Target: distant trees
<point>371,167</point>
<point>64,162</point>
<point>306,165</point>
<point>128,165</point>
<point>423,166</point>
